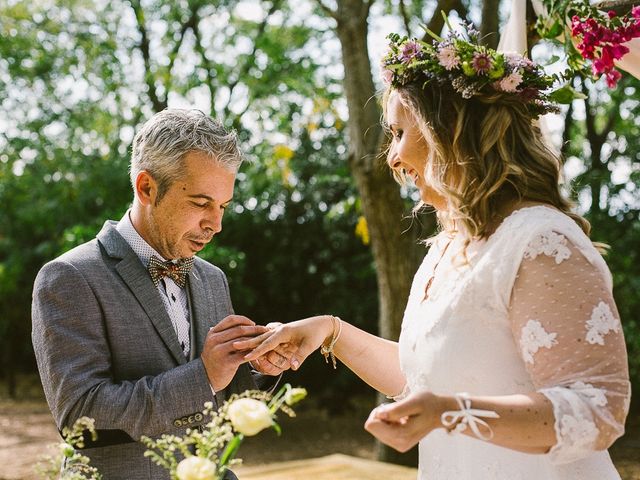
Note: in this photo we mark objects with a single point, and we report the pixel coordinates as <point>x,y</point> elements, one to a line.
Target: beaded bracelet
<point>327,350</point>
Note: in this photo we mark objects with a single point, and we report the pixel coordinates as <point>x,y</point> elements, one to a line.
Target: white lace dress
<point>532,310</point>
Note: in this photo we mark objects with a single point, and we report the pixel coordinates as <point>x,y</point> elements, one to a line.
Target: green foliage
<point>607,188</point>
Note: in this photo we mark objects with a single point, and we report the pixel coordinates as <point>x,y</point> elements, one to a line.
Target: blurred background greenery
<point>317,224</point>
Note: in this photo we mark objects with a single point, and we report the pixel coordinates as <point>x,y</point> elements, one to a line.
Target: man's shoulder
<point>86,254</point>
<point>73,264</point>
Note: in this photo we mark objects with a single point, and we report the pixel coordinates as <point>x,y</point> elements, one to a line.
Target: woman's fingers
<point>396,412</point>
<point>263,343</point>
<point>398,435</point>
<point>251,343</point>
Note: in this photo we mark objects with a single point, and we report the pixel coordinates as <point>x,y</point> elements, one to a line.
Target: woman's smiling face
<point>409,150</point>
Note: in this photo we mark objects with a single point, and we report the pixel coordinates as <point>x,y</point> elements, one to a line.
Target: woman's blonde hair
<point>483,151</point>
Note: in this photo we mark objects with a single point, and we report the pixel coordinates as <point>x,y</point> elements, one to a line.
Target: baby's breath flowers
<point>76,465</point>
<point>208,452</point>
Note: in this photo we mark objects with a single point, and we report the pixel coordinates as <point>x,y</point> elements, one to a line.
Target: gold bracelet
<point>327,350</point>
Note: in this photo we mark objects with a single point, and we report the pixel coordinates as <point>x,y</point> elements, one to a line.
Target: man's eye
<point>201,205</point>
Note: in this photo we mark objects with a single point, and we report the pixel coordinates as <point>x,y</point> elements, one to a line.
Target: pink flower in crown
<point>482,63</point>
<point>387,76</point>
<point>515,60</point>
<point>410,51</point>
<point>448,57</point>
<point>510,82</point>
<point>635,12</point>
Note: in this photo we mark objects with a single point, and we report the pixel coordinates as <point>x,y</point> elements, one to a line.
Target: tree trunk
<point>395,254</point>
<point>490,20</point>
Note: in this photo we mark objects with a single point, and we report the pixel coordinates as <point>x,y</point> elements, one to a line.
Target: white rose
<point>249,416</point>
<point>196,468</point>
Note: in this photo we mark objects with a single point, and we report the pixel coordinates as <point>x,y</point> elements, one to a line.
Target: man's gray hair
<point>163,141</point>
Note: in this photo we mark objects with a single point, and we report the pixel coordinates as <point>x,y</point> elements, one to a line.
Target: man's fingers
<point>230,322</point>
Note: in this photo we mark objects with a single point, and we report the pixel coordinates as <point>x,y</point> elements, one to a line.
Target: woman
<point>511,305</point>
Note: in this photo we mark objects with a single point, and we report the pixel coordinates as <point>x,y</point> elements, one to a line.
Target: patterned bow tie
<point>177,270</point>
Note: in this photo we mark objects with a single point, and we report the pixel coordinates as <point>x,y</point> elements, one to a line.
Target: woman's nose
<point>393,161</point>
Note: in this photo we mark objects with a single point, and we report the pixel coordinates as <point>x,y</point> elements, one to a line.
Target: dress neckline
<point>517,212</point>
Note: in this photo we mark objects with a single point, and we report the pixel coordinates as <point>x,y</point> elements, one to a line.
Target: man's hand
<point>221,360</point>
<point>295,340</point>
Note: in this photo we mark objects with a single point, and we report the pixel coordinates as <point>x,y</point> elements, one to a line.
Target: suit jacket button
<point>177,422</point>
<point>198,417</point>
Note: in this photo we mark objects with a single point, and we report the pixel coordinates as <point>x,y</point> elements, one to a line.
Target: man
<point>122,325</point>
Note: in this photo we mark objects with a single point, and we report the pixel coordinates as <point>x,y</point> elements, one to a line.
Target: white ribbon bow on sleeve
<point>458,420</point>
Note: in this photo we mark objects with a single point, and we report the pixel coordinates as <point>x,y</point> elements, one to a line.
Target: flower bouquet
<point>207,453</point>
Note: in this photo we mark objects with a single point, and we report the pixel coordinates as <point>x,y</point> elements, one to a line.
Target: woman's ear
<point>146,188</point>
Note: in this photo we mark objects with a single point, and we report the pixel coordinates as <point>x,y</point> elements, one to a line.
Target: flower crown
<point>471,69</point>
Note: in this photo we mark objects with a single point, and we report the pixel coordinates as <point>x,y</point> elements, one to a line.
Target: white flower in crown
<point>196,468</point>
<point>448,57</point>
<point>249,416</point>
<point>510,83</point>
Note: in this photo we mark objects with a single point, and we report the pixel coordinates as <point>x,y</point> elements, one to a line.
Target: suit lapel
<point>201,316</point>
<point>135,275</point>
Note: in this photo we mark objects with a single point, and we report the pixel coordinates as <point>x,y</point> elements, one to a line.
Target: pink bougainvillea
<point>601,40</point>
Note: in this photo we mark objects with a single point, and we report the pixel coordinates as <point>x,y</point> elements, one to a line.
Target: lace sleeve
<point>567,328</point>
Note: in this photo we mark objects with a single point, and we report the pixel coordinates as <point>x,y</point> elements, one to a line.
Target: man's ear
<point>146,188</point>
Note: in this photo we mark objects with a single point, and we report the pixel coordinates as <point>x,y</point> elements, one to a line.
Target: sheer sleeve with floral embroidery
<point>567,328</point>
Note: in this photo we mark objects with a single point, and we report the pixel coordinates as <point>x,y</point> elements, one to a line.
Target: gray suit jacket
<point>106,349</point>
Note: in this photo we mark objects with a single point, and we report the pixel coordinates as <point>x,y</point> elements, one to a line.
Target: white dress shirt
<point>173,297</point>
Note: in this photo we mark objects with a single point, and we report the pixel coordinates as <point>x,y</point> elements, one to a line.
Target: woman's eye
<point>397,134</point>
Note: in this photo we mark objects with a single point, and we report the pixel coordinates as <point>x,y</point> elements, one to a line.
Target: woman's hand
<point>297,340</point>
<point>403,424</point>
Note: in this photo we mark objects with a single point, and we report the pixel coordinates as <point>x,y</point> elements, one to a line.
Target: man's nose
<point>213,221</point>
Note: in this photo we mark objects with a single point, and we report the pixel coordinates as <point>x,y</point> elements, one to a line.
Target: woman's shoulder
<point>531,222</point>
<point>542,229</point>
